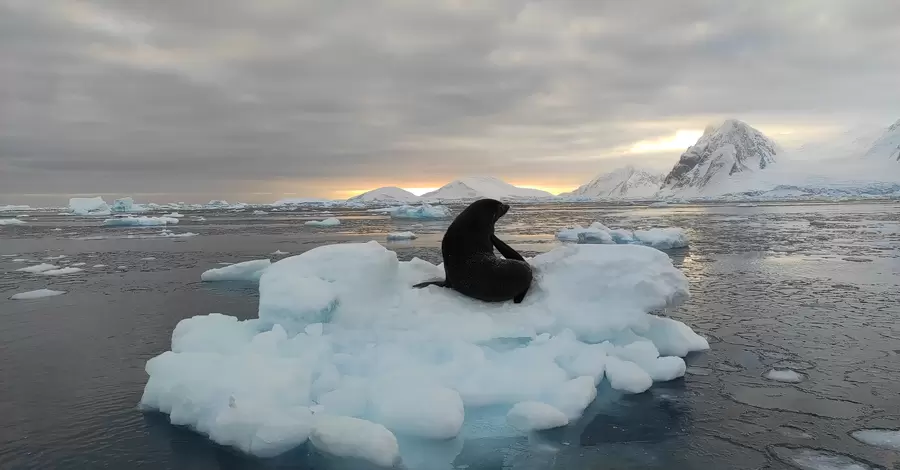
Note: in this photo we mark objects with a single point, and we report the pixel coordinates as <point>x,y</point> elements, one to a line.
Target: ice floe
<point>139,221</point>
<point>661,238</point>
<point>246,271</point>
<point>36,294</point>
<point>345,348</point>
<point>401,236</point>
<point>329,222</point>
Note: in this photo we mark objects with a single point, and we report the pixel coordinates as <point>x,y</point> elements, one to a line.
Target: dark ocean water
<point>814,288</point>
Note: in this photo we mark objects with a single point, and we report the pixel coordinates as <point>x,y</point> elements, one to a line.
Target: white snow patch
<point>784,375</point>
<point>401,236</point>
<point>38,268</point>
<point>36,294</point>
<point>329,222</point>
<point>139,221</point>
<point>884,438</point>
<point>245,271</point>
<point>341,331</point>
<point>535,416</point>
<point>12,221</point>
<point>61,271</point>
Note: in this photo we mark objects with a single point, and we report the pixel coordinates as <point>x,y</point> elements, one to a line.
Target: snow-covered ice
<point>535,416</point>
<point>99,266</point>
<point>816,459</point>
<point>149,258</point>
<point>12,221</point>
<point>55,257</point>
<point>341,333</point>
<point>279,252</point>
<point>36,294</point>
<point>38,268</point>
<point>884,438</point>
<point>401,236</point>
<point>126,204</point>
<point>246,271</point>
<point>355,438</point>
<point>61,271</point>
<point>329,222</point>
<point>259,213</point>
<point>661,238</point>
<point>14,207</point>
<point>89,206</point>
<point>423,211</point>
<point>138,221</point>
<point>78,264</point>
<point>175,215</point>
<point>784,375</point>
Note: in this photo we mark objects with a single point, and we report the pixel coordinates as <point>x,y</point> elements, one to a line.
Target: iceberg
<point>36,294</point>
<point>329,222</point>
<point>39,268</point>
<point>126,204</point>
<point>89,206</point>
<point>174,215</point>
<point>666,238</point>
<point>12,221</point>
<point>345,353</point>
<point>245,271</point>
<point>139,221</point>
<point>424,211</point>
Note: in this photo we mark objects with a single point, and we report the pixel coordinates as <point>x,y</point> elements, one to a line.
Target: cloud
<point>194,96</point>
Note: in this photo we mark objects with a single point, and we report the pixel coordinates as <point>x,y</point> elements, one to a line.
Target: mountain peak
<point>624,182</point>
<point>386,194</point>
<point>887,146</point>
<point>732,148</point>
<point>476,187</point>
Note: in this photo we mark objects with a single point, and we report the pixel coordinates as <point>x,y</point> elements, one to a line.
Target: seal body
<point>470,265</point>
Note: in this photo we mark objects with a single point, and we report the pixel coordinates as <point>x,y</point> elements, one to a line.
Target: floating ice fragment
<point>12,221</point>
<point>884,438</point>
<point>89,206</point>
<point>424,211</point>
<point>401,236</point>
<point>661,238</point>
<point>535,416</point>
<point>38,268</point>
<point>139,221</point>
<point>245,271</point>
<point>61,272</point>
<point>355,438</point>
<point>36,294</point>
<point>329,222</point>
<point>784,375</point>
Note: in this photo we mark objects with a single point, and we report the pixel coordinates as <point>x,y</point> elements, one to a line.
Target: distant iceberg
<point>89,206</point>
<point>329,222</point>
<point>660,238</point>
<point>12,221</point>
<point>11,207</point>
<point>139,221</point>
<point>126,204</point>
<point>424,211</point>
<point>401,236</point>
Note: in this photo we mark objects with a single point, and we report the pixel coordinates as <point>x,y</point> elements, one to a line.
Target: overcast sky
<point>258,99</point>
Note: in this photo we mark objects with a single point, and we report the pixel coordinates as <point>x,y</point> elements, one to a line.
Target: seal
<point>470,265</point>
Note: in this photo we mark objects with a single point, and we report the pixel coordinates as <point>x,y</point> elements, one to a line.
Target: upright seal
<point>470,265</point>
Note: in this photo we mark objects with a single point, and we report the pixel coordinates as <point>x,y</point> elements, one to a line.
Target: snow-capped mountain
<point>625,182</point>
<point>887,147</point>
<point>387,194</point>
<point>726,159</point>
<point>475,187</point>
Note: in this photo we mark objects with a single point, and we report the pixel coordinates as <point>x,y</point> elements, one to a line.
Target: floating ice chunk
<point>662,238</point>
<point>279,252</point>
<point>329,222</point>
<point>99,266</point>
<point>424,211</point>
<point>199,218</point>
<point>55,257</point>
<point>9,255</point>
<point>597,233</point>
<point>174,215</point>
<point>38,268</point>
<point>36,294</point>
<point>61,272</point>
<point>259,212</point>
<point>88,206</point>
<point>535,416</point>
<point>78,264</point>
<point>884,438</point>
<point>166,233</point>
<point>658,204</point>
<point>341,331</point>
<point>126,204</point>
<point>355,438</point>
<point>149,258</point>
<point>246,271</point>
<point>401,236</point>
<point>13,207</point>
<point>122,268</point>
<point>815,459</point>
<point>21,260</point>
<point>139,221</point>
<point>408,408</point>
<point>12,221</point>
<point>784,375</point>
<point>56,229</point>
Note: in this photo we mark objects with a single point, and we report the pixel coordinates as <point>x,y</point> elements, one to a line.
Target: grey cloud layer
<point>204,93</point>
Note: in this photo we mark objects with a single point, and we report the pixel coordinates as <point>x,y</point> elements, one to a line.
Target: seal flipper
<point>431,283</point>
<point>519,298</point>
<point>505,249</point>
